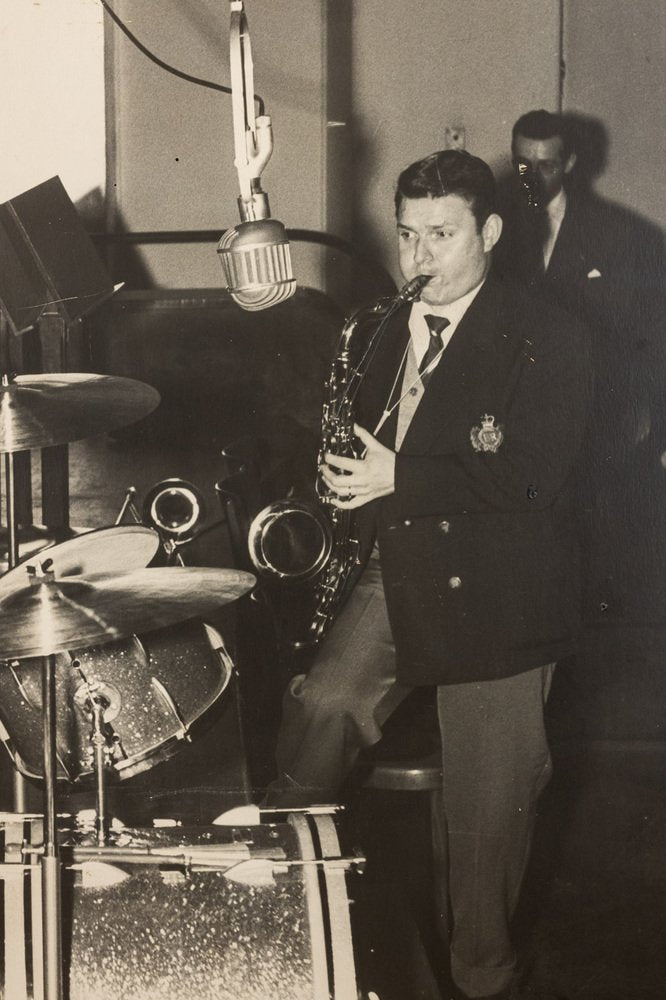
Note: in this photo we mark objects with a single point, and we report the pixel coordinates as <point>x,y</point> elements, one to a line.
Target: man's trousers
<point>495,761</point>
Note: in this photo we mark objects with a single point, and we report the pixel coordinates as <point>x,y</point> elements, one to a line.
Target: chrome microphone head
<point>256,261</point>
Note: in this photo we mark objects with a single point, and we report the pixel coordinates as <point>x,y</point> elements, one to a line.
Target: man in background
<point>604,265</point>
<point>594,259</point>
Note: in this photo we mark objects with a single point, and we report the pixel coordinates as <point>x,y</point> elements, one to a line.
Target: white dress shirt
<point>555,210</point>
<point>420,331</point>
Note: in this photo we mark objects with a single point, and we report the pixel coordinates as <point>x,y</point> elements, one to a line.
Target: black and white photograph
<point>332,500</point>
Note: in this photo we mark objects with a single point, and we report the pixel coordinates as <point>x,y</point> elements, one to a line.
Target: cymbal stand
<point>50,861</point>
<point>10,498</point>
<point>19,782</point>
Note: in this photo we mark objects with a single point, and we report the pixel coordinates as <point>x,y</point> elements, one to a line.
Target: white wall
<point>477,64</point>
<point>614,51</point>
<point>52,108</point>
<point>417,69</point>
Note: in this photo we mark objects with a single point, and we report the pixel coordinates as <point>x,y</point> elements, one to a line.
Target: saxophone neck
<point>385,306</point>
<point>373,311</point>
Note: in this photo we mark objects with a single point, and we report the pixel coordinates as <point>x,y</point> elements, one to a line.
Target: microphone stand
<point>255,256</point>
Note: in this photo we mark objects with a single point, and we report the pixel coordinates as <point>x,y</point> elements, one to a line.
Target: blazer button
<point>455,582</point>
<point>444,526</point>
<point>407,523</point>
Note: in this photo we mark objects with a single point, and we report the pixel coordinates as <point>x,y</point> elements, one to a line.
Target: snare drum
<point>209,913</point>
<point>157,688</point>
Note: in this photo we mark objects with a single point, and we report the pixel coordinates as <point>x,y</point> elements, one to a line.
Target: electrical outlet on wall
<point>454,137</point>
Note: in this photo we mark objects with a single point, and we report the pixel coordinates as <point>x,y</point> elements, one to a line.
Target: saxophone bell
<point>290,539</point>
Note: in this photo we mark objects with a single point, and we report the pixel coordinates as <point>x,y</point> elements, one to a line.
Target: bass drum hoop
<point>318,841</point>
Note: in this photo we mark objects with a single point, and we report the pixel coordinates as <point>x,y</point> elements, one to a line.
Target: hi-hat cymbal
<point>48,615</point>
<point>120,548</point>
<point>37,411</point>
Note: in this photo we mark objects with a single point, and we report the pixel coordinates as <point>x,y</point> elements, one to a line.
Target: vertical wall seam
<point>562,68</point>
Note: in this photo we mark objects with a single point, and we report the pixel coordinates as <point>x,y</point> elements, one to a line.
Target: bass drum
<point>156,689</point>
<point>206,913</point>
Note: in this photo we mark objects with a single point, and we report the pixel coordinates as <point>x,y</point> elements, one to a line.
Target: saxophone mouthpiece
<point>413,288</point>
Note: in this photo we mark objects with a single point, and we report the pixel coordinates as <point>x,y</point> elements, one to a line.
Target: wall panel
<point>479,64</point>
<point>614,55</point>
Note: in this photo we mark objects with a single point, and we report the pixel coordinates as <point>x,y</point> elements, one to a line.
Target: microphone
<point>530,188</point>
<point>256,261</point>
<point>255,255</point>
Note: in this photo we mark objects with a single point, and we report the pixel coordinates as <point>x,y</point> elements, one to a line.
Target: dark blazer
<point>606,270</point>
<point>477,546</point>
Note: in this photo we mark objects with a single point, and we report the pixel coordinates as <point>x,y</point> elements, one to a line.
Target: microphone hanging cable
<point>221,87</point>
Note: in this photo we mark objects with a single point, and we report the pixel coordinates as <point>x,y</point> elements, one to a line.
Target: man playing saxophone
<point>471,416</point>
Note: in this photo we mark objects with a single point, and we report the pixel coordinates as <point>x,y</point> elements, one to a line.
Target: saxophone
<point>331,531</point>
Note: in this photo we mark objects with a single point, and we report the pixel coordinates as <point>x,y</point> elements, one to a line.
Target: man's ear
<point>570,164</point>
<point>491,231</point>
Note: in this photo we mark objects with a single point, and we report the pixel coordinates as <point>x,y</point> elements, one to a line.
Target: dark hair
<point>543,124</point>
<point>450,171</point>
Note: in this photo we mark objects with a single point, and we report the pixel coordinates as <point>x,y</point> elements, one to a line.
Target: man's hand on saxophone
<point>356,481</point>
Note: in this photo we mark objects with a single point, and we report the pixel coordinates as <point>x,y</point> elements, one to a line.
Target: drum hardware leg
<point>19,782</point>
<point>12,526</point>
<point>129,505</point>
<point>50,860</point>
<point>171,550</point>
<point>102,703</point>
<point>98,739</point>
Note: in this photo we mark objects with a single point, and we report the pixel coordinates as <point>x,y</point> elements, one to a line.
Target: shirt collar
<point>556,208</point>
<point>454,312</point>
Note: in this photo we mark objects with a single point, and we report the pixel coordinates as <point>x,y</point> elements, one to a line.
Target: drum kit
<point>70,617</point>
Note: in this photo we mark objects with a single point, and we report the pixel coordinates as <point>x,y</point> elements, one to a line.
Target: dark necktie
<point>436,324</point>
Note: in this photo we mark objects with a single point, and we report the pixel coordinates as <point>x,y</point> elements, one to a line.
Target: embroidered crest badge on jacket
<point>487,437</point>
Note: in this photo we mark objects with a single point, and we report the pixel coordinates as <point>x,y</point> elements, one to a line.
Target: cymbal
<point>117,549</point>
<point>37,411</point>
<point>48,615</point>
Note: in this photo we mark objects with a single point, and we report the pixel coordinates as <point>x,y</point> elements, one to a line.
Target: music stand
<point>51,276</point>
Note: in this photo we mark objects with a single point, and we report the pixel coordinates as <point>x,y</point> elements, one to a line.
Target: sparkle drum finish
<point>156,687</point>
<point>202,913</point>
